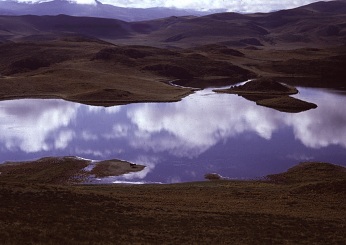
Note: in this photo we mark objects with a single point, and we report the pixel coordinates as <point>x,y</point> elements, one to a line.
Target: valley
<point>142,89</point>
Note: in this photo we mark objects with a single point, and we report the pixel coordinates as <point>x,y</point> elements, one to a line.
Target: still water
<point>182,141</point>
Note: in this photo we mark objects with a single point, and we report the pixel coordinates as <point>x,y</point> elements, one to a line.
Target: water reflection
<point>192,126</point>
<point>182,141</point>
<point>34,125</point>
<point>325,126</point>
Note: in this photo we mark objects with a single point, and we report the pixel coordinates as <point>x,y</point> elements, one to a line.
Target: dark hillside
<point>331,7</point>
<point>319,24</point>
<point>299,46</point>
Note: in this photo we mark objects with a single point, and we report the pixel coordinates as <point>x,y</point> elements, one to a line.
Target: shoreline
<point>104,62</point>
<point>302,205</point>
<point>79,169</point>
<point>270,93</point>
<point>100,102</point>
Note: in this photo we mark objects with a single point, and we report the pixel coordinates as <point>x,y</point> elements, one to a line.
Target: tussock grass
<point>302,206</point>
<point>49,170</point>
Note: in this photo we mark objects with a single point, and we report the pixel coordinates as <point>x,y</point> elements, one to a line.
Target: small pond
<point>178,142</point>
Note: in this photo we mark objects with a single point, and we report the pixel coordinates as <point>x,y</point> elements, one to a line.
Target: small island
<point>115,167</point>
<point>272,94</point>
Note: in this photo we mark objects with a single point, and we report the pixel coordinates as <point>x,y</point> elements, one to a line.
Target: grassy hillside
<point>302,206</point>
<point>86,58</point>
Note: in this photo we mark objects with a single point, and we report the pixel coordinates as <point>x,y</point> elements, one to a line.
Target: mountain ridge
<point>101,10</point>
<point>304,26</point>
<point>291,46</point>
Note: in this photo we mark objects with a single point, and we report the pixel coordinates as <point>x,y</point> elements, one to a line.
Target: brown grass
<point>114,168</point>
<point>303,206</point>
<point>259,87</point>
<point>100,73</point>
<point>286,104</point>
<point>306,205</point>
<point>63,170</point>
<point>73,75</point>
<point>48,170</point>
<point>272,94</point>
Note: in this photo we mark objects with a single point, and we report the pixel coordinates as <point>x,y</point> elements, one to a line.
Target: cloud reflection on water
<point>184,129</point>
<point>29,124</point>
<point>322,127</point>
<point>193,126</point>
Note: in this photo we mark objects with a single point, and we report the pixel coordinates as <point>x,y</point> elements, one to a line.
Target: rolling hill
<point>314,25</point>
<point>107,61</point>
<point>304,26</point>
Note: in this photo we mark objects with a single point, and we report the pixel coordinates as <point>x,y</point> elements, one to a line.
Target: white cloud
<point>89,2</point>
<point>28,124</point>
<point>63,139</point>
<point>192,126</point>
<point>229,5</point>
<point>108,110</point>
<point>119,131</point>
<point>92,2</point>
<point>323,127</point>
<point>88,136</point>
<point>94,153</point>
<point>187,128</point>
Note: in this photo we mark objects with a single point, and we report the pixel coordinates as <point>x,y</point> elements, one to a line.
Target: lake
<point>182,141</point>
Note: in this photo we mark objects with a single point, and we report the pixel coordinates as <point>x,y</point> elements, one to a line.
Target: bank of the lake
<point>302,206</point>
<point>270,93</point>
<point>236,139</point>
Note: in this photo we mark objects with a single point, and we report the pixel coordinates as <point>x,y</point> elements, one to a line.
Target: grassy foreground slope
<point>302,206</point>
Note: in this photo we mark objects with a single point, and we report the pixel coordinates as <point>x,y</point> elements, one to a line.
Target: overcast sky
<point>229,5</point>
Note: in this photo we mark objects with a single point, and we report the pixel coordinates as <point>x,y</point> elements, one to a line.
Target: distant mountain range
<point>317,24</point>
<point>57,7</point>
